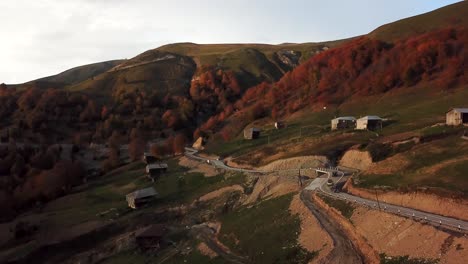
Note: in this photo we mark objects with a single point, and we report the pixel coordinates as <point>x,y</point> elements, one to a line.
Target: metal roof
<point>370,117</point>
<point>142,193</point>
<point>350,118</point>
<point>157,166</point>
<point>460,110</point>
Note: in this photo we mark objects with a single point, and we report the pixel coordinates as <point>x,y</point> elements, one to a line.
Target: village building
<point>252,133</point>
<point>369,123</point>
<point>279,125</point>
<point>154,170</point>
<point>151,238</point>
<point>457,116</point>
<point>343,122</point>
<point>149,158</point>
<point>141,197</point>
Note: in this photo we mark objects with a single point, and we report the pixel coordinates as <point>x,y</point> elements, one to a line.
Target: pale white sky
<point>44,37</point>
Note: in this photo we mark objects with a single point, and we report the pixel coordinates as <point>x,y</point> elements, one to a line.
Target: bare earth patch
<point>398,236</point>
<point>196,166</point>
<point>271,186</point>
<point>205,250</point>
<point>391,165</point>
<point>219,192</point>
<point>295,163</point>
<point>357,159</point>
<point>312,236</point>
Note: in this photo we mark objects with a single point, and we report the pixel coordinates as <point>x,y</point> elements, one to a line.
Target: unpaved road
<point>343,250</point>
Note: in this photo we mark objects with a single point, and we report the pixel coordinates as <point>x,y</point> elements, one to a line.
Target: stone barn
<point>457,116</point>
<point>369,123</point>
<point>155,170</point>
<point>279,125</point>
<point>149,158</point>
<point>343,122</point>
<point>252,133</point>
<point>151,237</point>
<point>141,197</point>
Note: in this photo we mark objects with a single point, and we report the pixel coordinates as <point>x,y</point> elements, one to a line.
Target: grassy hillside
<point>70,77</point>
<point>82,73</point>
<point>451,15</point>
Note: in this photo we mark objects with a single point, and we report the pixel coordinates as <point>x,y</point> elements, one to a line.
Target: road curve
<point>319,184</point>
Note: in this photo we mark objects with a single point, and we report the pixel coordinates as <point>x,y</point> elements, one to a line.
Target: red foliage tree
<point>179,144</point>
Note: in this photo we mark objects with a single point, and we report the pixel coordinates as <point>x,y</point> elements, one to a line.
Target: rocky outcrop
<point>287,59</point>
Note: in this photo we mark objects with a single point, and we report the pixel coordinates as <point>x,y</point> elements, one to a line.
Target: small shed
<point>343,122</point>
<point>141,197</point>
<point>155,170</point>
<point>151,237</point>
<point>252,133</point>
<point>279,125</point>
<point>149,158</point>
<point>457,116</point>
<point>369,123</point>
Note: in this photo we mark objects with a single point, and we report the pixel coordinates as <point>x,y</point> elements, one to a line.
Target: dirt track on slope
<point>343,249</point>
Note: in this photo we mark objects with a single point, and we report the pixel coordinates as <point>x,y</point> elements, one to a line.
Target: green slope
<point>452,15</point>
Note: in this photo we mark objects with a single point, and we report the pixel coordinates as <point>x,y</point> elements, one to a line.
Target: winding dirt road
<point>343,249</point>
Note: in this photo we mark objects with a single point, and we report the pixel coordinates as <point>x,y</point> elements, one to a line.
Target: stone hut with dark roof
<point>141,197</point>
<point>369,123</point>
<point>252,133</point>
<point>457,116</point>
<point>153,171</point>
<point>151,237</point>
<point>343,122</point>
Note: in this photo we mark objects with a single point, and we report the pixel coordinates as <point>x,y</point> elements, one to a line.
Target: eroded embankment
<point>399,236</point>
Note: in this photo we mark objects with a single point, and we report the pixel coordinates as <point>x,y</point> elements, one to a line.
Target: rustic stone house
<point>141,197</point>
<point>252,133</point>
<point>151,238</point>
<point>149,158</point>
<point>369,123</point>
<point>343,122</point>
<point>279,125</point>
<point>155,170</point>
<point>457,116</point>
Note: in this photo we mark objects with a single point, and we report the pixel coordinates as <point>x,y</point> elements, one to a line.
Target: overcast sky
<point>44,37</point>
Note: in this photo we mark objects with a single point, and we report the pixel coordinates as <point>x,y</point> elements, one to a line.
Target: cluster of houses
<point>350,122</point>
<point>153,171</point>
<point>152,237</point>
<point>454,117</point>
